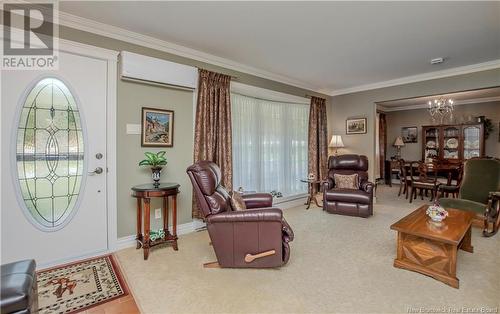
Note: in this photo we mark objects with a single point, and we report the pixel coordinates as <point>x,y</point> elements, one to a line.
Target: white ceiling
<point>329,46</point>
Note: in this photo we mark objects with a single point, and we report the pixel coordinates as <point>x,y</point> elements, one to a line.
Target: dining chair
<point>404,178</point>
<point>425,180</point>
<point>452,187</point>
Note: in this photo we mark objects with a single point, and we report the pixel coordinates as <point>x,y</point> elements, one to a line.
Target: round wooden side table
<point>144,193</point>
<point>311,188</point>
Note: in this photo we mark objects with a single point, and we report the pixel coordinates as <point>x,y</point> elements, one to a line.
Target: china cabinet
<point>452,143</point>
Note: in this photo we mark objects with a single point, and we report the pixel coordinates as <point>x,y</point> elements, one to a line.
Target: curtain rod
<point>154,83</point>
<point>311,96</point>
<point>270,100</point>
<point>232,76</point>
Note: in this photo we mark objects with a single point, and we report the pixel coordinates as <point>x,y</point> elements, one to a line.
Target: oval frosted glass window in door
<point>50,153</point>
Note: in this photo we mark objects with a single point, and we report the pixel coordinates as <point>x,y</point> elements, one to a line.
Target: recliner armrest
<point>265,214</point>
<point>258,200</point>
<point>287,231</point>
<point>328,184</point>
<point>493,199</point>
<point>367,186</point>
<point>495,194</point>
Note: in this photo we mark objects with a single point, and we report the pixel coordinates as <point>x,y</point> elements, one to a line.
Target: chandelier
<point>441,108</point>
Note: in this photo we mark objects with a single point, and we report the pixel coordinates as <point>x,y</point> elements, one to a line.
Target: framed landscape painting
<point>409,134</point>
<point>157,128</point>
<point>355,126</point>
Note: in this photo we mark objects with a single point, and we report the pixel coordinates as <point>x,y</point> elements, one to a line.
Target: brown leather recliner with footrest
<point>257,237</point>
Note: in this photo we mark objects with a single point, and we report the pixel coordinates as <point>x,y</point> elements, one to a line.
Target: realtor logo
<point>29,36</point>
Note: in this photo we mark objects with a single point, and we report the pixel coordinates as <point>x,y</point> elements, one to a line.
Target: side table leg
<point>316,200</point>
<point>139,223</point>
<point>174,221</point>
<point>147,217</point>
<point>309,197</point>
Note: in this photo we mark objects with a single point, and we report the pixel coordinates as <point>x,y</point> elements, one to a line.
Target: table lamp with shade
<point>336,142</point>
<point>398,143</point>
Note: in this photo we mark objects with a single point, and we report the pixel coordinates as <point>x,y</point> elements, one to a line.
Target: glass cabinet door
<point>471,142</point>
<point>431,139</point>
<point>451,142</point>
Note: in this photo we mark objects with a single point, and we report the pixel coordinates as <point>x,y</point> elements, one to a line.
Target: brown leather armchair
<point>257,237</point>
<point>350,202</point>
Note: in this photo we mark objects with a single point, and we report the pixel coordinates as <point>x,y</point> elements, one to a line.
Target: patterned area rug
<point>79,286</point>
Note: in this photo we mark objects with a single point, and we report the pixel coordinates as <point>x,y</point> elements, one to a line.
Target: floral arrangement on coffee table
<point>436,212</point>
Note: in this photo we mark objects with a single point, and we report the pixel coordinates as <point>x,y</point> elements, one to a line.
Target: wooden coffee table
<point>430,248</point>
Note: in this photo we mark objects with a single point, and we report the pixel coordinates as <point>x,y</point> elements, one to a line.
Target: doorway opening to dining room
<point>443,130</point>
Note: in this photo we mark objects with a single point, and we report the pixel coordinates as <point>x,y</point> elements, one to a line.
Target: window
<point>49,154</point>
<point>269,145</point>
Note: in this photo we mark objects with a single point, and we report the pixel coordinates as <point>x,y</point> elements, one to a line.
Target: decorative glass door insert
<point>431,144</point>
<point>50,153</point>
<point>451,142</point>
<point>472,143</point>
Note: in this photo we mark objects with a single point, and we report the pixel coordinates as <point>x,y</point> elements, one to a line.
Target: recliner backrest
<point>211,195</point>
<point>480,176</point>
<point>349,164</point>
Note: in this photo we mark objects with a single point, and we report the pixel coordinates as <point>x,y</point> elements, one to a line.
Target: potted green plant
<point>156,162</point>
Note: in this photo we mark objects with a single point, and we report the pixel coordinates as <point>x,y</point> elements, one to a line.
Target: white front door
<point>54,161</point>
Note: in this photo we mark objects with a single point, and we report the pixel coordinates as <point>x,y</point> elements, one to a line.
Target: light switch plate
<point>158,213</point>
<point>133,128</point>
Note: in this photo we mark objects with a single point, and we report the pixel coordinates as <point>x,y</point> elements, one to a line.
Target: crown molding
<point>267,94</point>
<point>91,26</point>
<point>489,65</point>
<point>425,106</point>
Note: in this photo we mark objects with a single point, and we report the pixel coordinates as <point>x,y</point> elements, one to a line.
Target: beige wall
<point>418,117</point>
<point>131,97</point>
<point>362,104</point>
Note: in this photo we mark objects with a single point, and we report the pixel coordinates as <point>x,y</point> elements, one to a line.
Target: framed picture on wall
<point>355,126</point>
<point>157,128</point>
<point>409,134</point>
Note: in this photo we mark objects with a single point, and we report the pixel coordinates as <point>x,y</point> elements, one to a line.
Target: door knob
<point>97,170</point>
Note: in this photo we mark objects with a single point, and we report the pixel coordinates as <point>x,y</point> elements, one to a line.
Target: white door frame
<point>111,58</point>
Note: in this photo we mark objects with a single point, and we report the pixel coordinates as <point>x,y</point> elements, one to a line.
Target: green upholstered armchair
<point>479,192</point>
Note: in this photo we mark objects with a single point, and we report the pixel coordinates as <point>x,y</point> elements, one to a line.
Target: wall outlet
<point>158,213</point>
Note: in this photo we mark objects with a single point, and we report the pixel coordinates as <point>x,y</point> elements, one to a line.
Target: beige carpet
<point>338,264</point>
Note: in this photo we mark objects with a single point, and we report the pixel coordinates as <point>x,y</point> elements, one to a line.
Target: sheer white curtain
<point>269,145</point>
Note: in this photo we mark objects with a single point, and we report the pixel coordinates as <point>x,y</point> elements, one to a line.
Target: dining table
<point>446,170</point>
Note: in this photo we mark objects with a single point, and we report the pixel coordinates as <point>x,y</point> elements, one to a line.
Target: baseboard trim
<point>129,241</point>
<point>182,229</point>
<point>196,224</point>
<point>69,260</point>
<point>292,203</point>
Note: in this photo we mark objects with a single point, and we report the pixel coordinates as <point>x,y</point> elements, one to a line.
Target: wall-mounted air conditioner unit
<point>138,67</point>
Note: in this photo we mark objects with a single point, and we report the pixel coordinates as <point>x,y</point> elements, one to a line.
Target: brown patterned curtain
<point>318,138</point>
<point>382,141</point>
<point>213,132</point>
